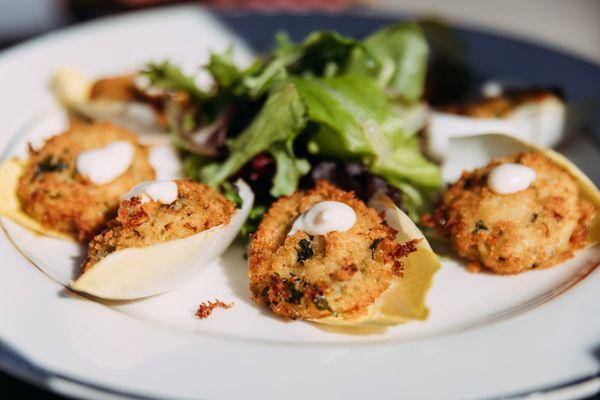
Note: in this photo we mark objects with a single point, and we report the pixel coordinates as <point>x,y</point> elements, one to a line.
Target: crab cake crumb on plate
<point>61,198</point>
<point>336,274</point>
<point>537,227</point>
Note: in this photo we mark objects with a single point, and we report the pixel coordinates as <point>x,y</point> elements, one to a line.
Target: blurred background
<point>568,25</point>
<point>571,26</point>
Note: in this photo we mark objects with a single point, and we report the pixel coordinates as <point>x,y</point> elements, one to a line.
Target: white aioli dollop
<point>164,192</point>
<point>166,162</point>
<point>325,217</point>
<point>510,178</point>
<point>492,89</point>
<point>106,163</point>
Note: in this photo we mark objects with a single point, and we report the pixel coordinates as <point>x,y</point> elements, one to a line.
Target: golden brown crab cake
<point>54,193</point>
<point>197,208</point>
<point>335,274</point>
<point>501,106</point>
<point>510,233</point>
<point>121,87</point>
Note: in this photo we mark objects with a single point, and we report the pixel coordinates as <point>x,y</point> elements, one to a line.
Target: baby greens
<point>327,98</point>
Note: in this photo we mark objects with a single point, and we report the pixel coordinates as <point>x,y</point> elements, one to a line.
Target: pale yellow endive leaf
<point>70,86</point>
<point>405,298</point>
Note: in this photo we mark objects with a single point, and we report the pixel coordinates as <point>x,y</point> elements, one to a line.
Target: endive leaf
<point>138,272</point>
<point>405,299</point>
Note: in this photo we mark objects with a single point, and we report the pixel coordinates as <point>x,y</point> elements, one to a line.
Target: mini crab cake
<point>537,226</point>
<point>192,209</point>
<point>55,193</point>
<point>121,87</point>
<point>502,105</point>
<point>337,273</point>
<point>125,100</point>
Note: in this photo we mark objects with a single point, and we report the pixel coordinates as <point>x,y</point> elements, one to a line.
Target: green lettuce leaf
<point>170,77</point>
<point>400,53</point>
<point>281,118</point>
<point>289,170</point>
<point>408,162</point>
<point>349,100</point>
<point>357,122</point>
<point>416,177</point>
<point>225,73</point>
<point>355,116</point>
<point>321,53</point>
<point>262,79</point>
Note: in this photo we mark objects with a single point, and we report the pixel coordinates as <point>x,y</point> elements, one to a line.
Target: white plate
<point>487,335</point>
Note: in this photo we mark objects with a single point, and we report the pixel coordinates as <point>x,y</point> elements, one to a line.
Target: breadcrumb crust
<point>205,309</point>
<point>197,208</point>
<point>56,195</point>
<point>312,277</point>
<point>535,228</point>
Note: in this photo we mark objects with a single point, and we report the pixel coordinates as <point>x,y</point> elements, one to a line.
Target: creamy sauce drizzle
<point>166,162</point>
<point>492,89</point>
<point>325,217</point>
<point>510,178</point>
<point>106,163</point>
<point>164,192</point>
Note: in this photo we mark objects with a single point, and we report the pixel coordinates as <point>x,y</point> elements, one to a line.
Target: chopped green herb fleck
<point>480,226</point>
<point>305,252</point>
<point>49,165</point>
<point>321,303</point>
<point>374,245</point>
<point>295,295</point>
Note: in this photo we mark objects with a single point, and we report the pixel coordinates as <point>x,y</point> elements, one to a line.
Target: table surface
<point>570,26</point>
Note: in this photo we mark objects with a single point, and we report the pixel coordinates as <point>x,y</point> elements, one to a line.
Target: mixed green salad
<point>330,107</point>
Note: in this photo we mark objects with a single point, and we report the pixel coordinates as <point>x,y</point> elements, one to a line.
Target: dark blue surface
<point>489,56</point>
